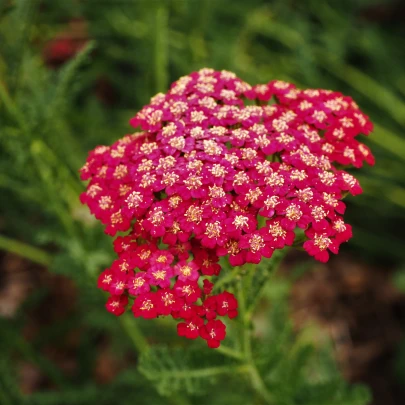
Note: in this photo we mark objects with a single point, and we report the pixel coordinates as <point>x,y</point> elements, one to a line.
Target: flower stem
<point>227,351</point>
<point>232,274</point>
<point>248,278</point>
<point>131,328</point>
<point>160,49</point>
<point>273,266</point>
<point>206,372</point>
<point>259,385</point>
<point>255,377</point>
<point>11,107</point>
<point>29,252</point>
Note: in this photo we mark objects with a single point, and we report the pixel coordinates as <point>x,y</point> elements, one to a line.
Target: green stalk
<point>366,85</point>
<point>227,351</point>
<point>274,264</point>
<point>11,108</point>
<point>160,50</point>
<point>129,325</point>
<point>207,372</point>
<point>231,276</point>
<point>29,252</point>
<point>248,279</point>
<point>255,377</point>
<point>389,141</point>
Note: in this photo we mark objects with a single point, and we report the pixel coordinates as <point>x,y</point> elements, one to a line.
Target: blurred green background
<point>72,73</point>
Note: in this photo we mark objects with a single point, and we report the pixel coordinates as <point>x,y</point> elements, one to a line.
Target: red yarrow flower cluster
<point>210,175</point>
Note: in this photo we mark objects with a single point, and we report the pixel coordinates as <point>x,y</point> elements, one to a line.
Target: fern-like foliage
<point>183,370</point>
<point>311,372</point>
<point>128,387</point>
<point>294,371</point>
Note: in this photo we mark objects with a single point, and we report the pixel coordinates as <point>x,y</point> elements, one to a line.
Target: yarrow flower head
<point>209,175</point>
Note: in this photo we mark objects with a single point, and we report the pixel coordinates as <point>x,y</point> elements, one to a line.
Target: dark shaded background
<point>72,73</point>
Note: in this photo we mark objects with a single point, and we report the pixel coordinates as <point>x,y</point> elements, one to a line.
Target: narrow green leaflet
<point>183,370</point>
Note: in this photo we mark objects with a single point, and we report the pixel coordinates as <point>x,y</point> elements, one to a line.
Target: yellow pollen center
<point>157,217</point>
<point>162,259</point>
<point>293,212</point>
<point>134,199</point>
<point>240,221</point>
<point>213,230</point>
<point>159,275</point>
<point>194,214</point>
<point>322,241</point>
<point>138,282</point>
<point>187,290</point>
<point>253,195</point>
<point>256,243</point>
<point>272,201</point>
<point>193,182</point>
<point>145,254</point>
<point>105,202</point>
<point>124,266</point>
<point>216,192</point>
<point>339,226</point>
<point>147,305</point>
<point>276,231</point>
<point>107,279</point>
<point>232,247</point>
<point>168,299</point>
<point>318,213</point>
<point>185,270</point>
